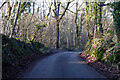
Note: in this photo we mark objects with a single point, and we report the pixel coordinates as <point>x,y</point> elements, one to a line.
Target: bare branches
<point>49,9</point>
<point>3,4</point>
<point>68,9</point>
<point>64,11</point>
<point>71,10</point>
<point>81,5</point>
<point>23,7</point>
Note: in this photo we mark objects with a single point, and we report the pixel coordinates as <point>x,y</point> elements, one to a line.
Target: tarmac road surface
<point>63,65</point>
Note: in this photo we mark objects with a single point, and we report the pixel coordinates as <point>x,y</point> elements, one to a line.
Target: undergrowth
<point>15,51</point>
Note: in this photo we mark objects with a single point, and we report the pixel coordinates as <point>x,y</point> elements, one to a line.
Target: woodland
<point>35,28</point>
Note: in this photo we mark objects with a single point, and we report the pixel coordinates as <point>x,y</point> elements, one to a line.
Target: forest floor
<point>107,70</point>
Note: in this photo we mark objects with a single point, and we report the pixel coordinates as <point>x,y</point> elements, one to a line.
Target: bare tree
<point>56,12</point>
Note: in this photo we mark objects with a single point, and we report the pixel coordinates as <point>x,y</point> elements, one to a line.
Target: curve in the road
<point>63,65</point>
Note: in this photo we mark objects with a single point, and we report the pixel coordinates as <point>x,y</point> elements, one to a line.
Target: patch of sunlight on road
<point>77,62</point>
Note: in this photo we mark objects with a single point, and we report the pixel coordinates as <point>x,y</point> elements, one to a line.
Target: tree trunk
<point>57,42</point>
<point>15,23</point>
<point>33,7</point>
<point>57,18</point>
<point>100,19</point>
<point>116,17</point>
<point>56,12</point>
<point>8,8</point>
<point>77,27</point>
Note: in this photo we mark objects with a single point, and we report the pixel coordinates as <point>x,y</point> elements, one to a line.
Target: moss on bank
<point>105,51</point>
<point>16,53</point>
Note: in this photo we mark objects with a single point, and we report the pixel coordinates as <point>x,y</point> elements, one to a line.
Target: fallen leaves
<point>108,71</point>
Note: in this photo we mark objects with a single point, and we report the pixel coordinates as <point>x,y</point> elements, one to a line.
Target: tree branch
<point>3,4</point>
<point>68,9</point>
<point>71,10</point>
<point>64,11</point>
